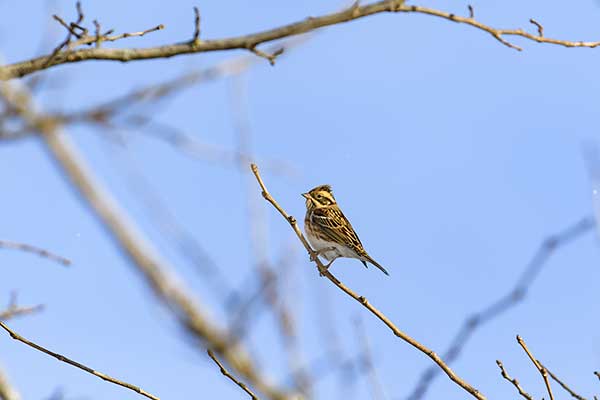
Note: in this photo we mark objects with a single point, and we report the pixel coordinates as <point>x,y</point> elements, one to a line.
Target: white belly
<point>340,250</point>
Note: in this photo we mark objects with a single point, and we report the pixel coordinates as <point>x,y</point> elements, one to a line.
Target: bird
<point>328,230</point>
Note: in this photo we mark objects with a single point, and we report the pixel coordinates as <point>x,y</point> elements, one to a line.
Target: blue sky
<point>452,155</point>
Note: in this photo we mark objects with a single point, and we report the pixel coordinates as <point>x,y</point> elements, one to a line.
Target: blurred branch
<point>165,222</point>
<point>158,273</point>
<point>538,366</point>
<point>514,381</point>
<point>14,310</point>
<point>361,299</point>
<point>17,311</point>
<point>104,115</point>
<point>234,379</point>
<point>188,145</point>
<point>7,391</point>
<point>270,274</point>
<point>87,369</point>
<point>251,41</point>
<point>377,392</point>
<point>34,250</point>
<point>507,301</point>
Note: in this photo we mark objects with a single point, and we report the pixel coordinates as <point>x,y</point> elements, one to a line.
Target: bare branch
<point>7,391</point>
<point>19,311</point>
<point>514,381</point>
<point>234,379</point>
<point>506,302</point>
<point>85,368</point>
<point>81,33</point>
<point>537,364</point>
<point>471,11</point>
<point>14,310</point>
<point>196,39</point>
<point>361,299</point>
<point>539,27</point>
<point>251,41</point>
<point>270,57</point>
<point>563,385</point>
<point>34,250</point>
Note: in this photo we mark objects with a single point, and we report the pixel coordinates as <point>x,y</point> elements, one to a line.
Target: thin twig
<point>514,381</point>
<point>34,250</point>
<point>19,311</point>
<point>250,41</point>
<point>537,364</point>
<point>233,378</point>
<point>196,38</point>
<point>87,369</point>
<point>539,27</point>
<point>361,299</point>
<point>563,385</point>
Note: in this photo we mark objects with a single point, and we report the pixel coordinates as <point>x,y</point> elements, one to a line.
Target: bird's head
<point>321,196</point>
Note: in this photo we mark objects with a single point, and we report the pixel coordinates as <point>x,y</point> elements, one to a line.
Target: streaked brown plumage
<point>329,231</point>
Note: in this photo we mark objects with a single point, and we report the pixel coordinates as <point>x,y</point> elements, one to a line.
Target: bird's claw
<point>313,255</point>
<point>324,268</point>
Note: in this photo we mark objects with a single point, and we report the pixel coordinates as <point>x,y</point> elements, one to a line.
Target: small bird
<point>329,231</point>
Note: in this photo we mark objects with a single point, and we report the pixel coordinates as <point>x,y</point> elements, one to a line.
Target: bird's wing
<point>336,227</point>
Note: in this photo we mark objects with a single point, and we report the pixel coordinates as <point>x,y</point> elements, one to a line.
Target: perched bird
<point>328,230</point>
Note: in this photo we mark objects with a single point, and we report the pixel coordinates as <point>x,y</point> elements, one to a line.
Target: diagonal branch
<point>7,391</point>
<point>251,41</point>
<point>233,378</point>
<point>542,370</point>
<point>361,299</point>
<point>514,381</point>
<point>34,250</point>
<point>85,368</point>
<point>563,385</point>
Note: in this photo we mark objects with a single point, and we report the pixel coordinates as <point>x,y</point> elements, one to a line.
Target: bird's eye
<point>319,196</point>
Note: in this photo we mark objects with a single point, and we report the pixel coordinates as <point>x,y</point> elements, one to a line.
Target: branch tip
<point>196,38</point>
<point>539,26</point>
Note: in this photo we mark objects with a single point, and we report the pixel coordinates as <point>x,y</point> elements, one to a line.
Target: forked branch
<point>361,299</point>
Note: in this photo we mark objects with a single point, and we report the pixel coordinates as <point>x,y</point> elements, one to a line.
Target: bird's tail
<point>375,263</point>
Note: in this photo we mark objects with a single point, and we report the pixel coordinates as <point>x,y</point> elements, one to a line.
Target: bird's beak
<point>305,195</point>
